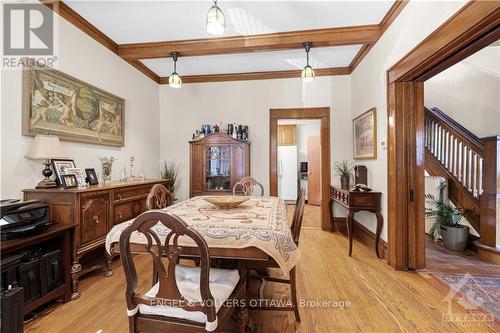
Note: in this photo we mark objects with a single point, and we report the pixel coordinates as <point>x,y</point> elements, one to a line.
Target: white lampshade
<point>45,147</point>
<point>216,22</point>
<point>307,74</point>
<point>174,80</point>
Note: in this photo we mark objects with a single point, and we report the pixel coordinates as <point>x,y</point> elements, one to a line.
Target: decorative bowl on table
<point>226,201</point>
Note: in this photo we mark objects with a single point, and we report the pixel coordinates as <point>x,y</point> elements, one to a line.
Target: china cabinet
<point>217,161</point>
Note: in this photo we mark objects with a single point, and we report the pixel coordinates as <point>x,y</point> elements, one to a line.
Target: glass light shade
<point>307,74</point>
<point>216,22</point>
<point>174,80</point>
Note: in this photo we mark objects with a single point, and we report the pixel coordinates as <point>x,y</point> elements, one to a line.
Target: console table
<point>94,210</point>
<point>357,201</point>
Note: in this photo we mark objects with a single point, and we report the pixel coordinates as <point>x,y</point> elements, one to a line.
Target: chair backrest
<point>298,215</point>
<point>159,197</point>
<point>169,251</point>
<point>247,184</point>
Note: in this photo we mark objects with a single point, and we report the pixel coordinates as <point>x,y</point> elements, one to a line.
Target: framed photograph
<point>80,176</point>
<point>60,166</point>
<point>91,176</point>
<point>69,181</point>
<point>55,103</point>
<point>364,130</point>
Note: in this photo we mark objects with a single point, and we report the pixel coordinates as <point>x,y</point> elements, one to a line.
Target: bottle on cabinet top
<point>239,132</point>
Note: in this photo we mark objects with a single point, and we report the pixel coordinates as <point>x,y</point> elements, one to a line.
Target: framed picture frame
<point>69,180</point>
<point>60,166</point>
<point>91,176</point>
<point>364,132</point>
<point>56,103</point>
<point>80,176</point>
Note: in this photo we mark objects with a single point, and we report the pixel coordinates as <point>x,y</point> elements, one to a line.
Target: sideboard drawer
<point>94,218</point>
<point>131,192</point>
<point>129,210</point>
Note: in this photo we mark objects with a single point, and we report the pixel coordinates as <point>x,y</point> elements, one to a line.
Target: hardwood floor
<point>381,299</point>
<point>312,216</point>
<point>440,260</point>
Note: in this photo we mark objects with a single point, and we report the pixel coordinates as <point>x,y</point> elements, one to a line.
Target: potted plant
<point>344,170</point>
<point>447,223</point>
<point>169,171</point>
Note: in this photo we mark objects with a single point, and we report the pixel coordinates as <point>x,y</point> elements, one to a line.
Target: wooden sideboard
<point>94,210</point>
<point>357,201</point>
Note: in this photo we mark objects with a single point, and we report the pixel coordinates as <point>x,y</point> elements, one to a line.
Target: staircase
<point>470,165</point>
<point>456,154</point>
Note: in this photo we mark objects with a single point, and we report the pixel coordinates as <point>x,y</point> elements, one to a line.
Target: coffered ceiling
<point>154,21</point>
<point>263,39</point>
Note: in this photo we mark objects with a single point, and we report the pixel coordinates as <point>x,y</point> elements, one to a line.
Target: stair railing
<point>459,151</point>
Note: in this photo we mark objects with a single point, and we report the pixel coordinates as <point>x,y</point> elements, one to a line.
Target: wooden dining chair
<point>159,197</point>
<point>247,185</point>
<point>258,266</point>
<point>185,298</point>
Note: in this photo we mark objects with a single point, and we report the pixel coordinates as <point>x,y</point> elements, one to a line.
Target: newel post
<point>489,243</point>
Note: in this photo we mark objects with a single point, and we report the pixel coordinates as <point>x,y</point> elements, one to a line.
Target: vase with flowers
<point>107,168</point>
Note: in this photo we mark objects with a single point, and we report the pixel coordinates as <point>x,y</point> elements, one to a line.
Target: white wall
<point>369,85</point>
<point>469,92</point>
<point>85,59</point>
<point>182,111</point>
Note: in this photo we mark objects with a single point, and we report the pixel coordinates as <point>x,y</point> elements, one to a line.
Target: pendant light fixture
<point>216,22</point>
<point>307,73</point>
<point>174,80</point>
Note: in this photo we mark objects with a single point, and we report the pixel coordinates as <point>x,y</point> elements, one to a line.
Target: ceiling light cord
<point>174,56</point>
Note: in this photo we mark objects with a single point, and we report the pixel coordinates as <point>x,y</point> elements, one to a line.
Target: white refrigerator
<point>287,172</point>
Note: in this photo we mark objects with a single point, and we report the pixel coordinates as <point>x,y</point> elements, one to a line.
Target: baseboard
<point>362,234</point>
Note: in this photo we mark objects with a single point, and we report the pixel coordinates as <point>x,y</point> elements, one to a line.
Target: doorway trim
<point>463,34</point>
<point>321,113</point>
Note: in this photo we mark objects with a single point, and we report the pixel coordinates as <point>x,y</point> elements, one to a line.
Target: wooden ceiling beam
<point>367,35</point>
<point>257,75</point>
<point>254,43</point>
<point>81,23</point>
<point>145,70</point>
<point>391,15</point>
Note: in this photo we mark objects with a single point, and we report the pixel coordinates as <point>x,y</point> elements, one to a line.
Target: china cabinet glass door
<point>218,168</point>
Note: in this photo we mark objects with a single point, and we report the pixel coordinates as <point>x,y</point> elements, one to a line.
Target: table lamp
<point>45,147</point>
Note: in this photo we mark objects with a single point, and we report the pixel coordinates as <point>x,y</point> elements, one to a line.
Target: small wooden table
<point>357,201</point>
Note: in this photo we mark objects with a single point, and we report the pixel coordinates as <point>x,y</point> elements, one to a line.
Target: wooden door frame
<point>321,113</point>
<point>473,27</point>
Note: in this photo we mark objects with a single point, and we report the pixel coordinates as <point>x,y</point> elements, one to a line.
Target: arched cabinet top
<point>218,138</point>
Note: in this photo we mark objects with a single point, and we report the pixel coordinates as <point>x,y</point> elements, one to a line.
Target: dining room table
<point>258,229</point>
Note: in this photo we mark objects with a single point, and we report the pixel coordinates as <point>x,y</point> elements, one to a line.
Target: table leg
<point>332,219</point>
<point>380,223</point>
<point>350,217</point>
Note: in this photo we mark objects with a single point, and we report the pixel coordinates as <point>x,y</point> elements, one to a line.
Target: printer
<point>22,217</point>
